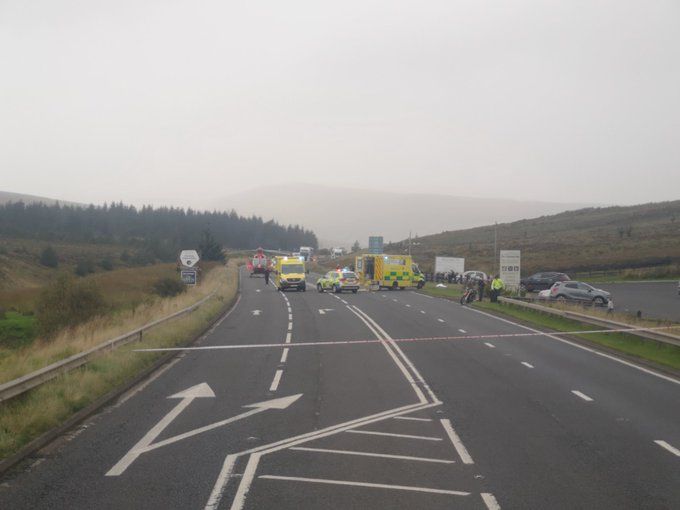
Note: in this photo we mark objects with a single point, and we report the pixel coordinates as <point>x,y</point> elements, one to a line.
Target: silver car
<point>579,291</point>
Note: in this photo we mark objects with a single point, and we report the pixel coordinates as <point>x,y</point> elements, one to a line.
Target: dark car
<point>542,281</point>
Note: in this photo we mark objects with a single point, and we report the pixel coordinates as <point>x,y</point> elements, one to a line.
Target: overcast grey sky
<point>182,102</point>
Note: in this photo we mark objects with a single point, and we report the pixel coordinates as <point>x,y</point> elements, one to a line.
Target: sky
<point>179,102</point>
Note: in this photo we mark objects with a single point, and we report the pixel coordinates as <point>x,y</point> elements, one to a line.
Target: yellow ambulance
<point>289,273</point>
<point>385,271</point>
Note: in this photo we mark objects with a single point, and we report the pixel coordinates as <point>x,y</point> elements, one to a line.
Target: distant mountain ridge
<point>340,215</point>
<point>9,196</point>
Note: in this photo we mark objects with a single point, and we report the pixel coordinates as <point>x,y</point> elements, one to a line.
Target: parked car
<point>542,281</point>
<point>579,291</point>
<point>337,281</point>
<point>475,275</point>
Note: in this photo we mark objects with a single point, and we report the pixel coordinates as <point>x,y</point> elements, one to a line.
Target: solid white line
<point>440,320</point>
<point>343,300</point>
<point>578,346</point>
<point>411,418</point>
<point>457,443</point>
<point>490,501</point>
<point>290,326</point>
<point>364,484</point>
<point>277,379</point>
<point>284,355</point>
<point>221,483</point>
<point>419,394</point>
<point>246,481</point>
<point>582,395</point>
<point>491,346</point>
<point>672,449</point>
<point>389,434</point>
<point>288,337</point>
<point>528,365</point>
<point>424,295</point>
<point>368,454</point>
<point>462,331</point>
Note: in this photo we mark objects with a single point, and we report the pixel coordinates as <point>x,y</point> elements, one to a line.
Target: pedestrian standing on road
<point>266,276</point>
<point>497,286</point>
<point>480,289</point>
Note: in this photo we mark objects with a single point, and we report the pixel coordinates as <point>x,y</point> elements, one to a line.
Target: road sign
<point>189,276</point>
<point>510,268</point>
<point>446,264</point>
<point>189,258</point>
<point>375,244</point>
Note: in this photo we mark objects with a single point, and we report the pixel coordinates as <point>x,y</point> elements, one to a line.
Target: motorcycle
<point>468,296</point>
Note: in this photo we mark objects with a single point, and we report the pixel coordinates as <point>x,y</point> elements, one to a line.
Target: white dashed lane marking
<point>582,395</point>
<point>666,446</point>
<point>528,365</point>
<point>490,346</point>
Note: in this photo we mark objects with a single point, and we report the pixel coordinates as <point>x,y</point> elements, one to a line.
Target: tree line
<point>161,232</point>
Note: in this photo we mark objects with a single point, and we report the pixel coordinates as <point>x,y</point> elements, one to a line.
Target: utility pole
<point>495,248</point>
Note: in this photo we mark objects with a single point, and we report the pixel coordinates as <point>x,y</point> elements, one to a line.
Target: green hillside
<point>591,239</point>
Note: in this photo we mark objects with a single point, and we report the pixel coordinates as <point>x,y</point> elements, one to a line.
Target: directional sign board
<point>510,266</point>
<point>189,258</point>
<point>446,264</point>
<point>375,244</point>
<point>188,276</point>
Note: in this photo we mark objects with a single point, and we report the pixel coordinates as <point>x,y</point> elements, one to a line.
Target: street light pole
<point>495,248</point>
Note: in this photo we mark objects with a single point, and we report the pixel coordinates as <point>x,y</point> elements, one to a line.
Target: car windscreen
<point>292,268</point>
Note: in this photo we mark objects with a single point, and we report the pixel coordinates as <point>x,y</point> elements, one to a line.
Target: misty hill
<point>588,239</point>
<point>340,215</point>
<point>154,233</point>
<point>8,196</point>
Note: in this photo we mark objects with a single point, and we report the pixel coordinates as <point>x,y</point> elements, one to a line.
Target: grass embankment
<point>451,291</point>
<point>27,417</point>
<point>650,350</point>
<point>16,330</point>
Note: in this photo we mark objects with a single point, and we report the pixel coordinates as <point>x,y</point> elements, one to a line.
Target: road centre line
<point>490,346</point>
<point>289,335</point>
<point>284,355</point>
<point>528,365</point>
<point>290,316</point>
<point>390,434</point>
<point>277,379</point>
<point>457,443</point>
<point>582,395</point>
<point>364,484</point>
<point>422,311</point>
<point>462,331</point>
<point>395,300</point>
<point>666,446</point>
<point>556,336</point>
<point>411,418</point>
<point>369,454</point>
<point>408,306</point>
<point>441,320</point>
<point>490,501</point>
<point>290,326</point>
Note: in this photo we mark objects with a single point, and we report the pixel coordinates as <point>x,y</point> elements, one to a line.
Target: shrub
<point>84,267</point>
<point>67,303</point>
<point>48,257</point>
<point>168,287</point>
<point>106,264</point>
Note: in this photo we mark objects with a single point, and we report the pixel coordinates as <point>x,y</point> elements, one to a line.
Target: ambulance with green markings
<point>289,273</point>
<point>386,271</point>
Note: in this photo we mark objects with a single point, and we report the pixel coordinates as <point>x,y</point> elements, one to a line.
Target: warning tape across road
<point>414,339</point>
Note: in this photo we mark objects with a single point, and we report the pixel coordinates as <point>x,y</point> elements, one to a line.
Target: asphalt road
<point>464,410</point>
<point>659,300</point>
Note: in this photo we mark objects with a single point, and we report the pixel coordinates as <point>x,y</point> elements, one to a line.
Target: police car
<point>337,281</point>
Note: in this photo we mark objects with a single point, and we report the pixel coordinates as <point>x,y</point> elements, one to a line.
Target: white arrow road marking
<point>323,311</point>
<point>666,446</point>
<point>199,391</point>
<point>144,445</point>
<point>582,395</point>
<point>256,312</point>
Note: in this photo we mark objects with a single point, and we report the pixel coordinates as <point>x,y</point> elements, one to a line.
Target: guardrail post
<point>141,332</point>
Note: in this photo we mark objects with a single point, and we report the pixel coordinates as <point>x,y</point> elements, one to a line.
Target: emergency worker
<point>497,286</point>
<point>266,276</point>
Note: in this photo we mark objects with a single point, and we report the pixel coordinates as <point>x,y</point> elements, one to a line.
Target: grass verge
<point>27,417</point>
<point>451,291</point>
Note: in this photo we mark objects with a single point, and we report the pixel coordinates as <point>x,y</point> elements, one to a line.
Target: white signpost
<point>446,264</point>
<point>510,269</point>
<point>189,258</point>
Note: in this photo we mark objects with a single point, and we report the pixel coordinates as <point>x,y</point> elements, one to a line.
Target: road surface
<point>305,400</point>
<point>658,300</point>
